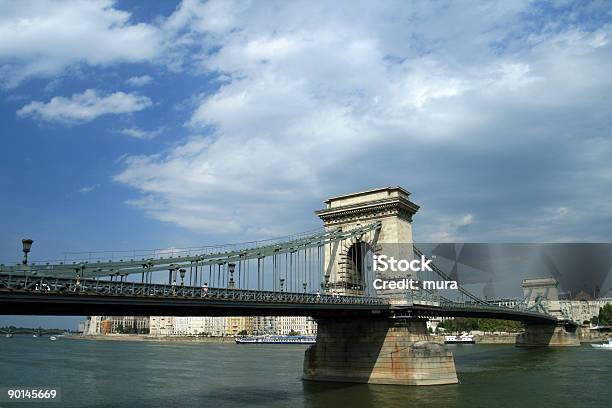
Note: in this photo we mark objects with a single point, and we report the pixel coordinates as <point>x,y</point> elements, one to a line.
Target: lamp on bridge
<point>282,284</point>
<point>182,272</point>
<point>27,246</point>
<point>232,269</point>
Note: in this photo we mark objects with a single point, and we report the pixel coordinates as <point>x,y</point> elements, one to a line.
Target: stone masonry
<point>374,349</point>
<point>378,351</point>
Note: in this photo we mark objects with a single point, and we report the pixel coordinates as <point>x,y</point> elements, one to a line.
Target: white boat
<point>607,345</point>
<point>463,339</point>
<point>34,335</point>
<point>275,340</point>
<point>52,338</point>
<point>9,335</point>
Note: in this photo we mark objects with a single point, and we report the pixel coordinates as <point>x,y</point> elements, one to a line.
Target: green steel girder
<point>132,266</point>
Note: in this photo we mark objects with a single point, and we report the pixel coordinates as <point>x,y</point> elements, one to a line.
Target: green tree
<point>605,315</point>
<point>459,324</point>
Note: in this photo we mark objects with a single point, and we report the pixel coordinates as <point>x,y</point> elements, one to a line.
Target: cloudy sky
<point>147,125</point>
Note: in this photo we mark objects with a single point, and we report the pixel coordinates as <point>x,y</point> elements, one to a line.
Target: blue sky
<point>149,125</point>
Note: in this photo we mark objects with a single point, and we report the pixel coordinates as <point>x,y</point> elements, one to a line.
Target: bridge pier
<point>377,351</point>
<point>548,335</point>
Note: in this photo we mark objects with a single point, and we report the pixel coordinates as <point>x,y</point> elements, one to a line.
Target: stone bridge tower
<point>348,264</point>
<point>564,333</point>
<point>373,348</point>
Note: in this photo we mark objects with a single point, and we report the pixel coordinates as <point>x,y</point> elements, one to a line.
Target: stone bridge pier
<point>378,350</point>
<point>548,335</point>
<point>374,349</point>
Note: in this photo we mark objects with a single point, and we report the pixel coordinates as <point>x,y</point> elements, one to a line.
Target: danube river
<point>171,374</point>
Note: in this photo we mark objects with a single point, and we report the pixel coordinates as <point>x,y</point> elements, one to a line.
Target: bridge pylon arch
<point>348,264</point>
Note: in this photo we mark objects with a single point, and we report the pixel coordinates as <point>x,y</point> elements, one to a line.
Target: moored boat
<point>463,339</point>
<point>607,345</point>
<point>275,340</point>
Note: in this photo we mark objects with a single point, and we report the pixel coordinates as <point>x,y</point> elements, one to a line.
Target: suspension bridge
<point>283,277</point>
<point>326,274</point>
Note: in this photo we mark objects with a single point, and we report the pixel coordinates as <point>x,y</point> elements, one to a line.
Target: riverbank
<point>585,336</point>
<point>505,338</point>
<point>146,337</point>
<point>489,338</point>
<point>480,339</point>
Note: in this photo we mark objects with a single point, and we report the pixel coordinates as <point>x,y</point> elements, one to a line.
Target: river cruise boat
<point>463,339</point>
<point>607,345</point>
<point>275,340</point>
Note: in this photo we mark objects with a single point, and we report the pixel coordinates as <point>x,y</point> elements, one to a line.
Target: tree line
<point>460,324</point>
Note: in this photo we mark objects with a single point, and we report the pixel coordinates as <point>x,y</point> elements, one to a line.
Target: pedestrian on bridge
<point>204,289</point>
<point>77,283</point>
<point>174,287</point>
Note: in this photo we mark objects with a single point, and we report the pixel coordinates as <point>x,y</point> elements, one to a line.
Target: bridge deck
<point>475,311</point>
<point>61,296</point>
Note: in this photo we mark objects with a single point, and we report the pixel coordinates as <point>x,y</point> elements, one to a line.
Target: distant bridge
<point>37,332</point>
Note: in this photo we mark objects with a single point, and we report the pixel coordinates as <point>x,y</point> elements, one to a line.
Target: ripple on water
<point>158,374</point>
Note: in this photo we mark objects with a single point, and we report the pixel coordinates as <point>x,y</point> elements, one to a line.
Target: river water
<point>170,374</point>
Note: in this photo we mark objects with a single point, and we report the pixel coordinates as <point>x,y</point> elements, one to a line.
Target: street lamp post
<point>27,246</point>
<point>232,269</point>
<point>77,280</point>
<point>282,284</point>
<point>182,272</point>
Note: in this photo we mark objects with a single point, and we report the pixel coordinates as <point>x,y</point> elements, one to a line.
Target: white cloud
<point>141,133</point>
<point>449,229</point>
<point>498,111</point>
<point>42,39</point>
<point>139,80</point>
<point>84,107</point>
<point>88,189</point>
<point>319,98</point>
<point>466,220</point>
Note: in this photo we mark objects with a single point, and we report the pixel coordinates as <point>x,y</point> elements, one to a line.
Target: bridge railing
<point>36,285</point>
<point>64,286</point>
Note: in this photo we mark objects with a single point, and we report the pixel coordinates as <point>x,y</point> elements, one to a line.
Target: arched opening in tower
<point>359,268</point>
